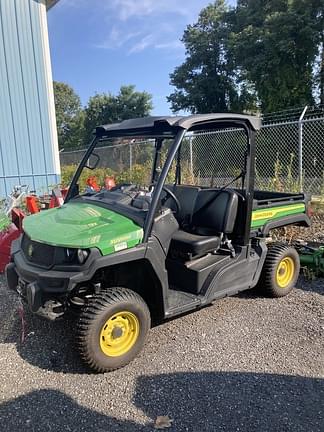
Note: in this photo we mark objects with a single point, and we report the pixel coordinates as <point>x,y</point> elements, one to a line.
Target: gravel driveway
<point>243,364</point>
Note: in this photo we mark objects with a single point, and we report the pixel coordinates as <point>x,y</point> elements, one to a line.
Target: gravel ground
<point>244,364</point>
<point>294,233</point>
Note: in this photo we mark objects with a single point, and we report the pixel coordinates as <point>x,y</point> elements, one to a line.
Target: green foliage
<point>69,116</point>
<point>276,43</point>
<point>261,51</point>
<point>320,58</point>
<point>67,173</point>
<point>140,174</point>
<point>208,80</point>
<point>107,108</point>
<point>75,124</point>
<point>292,184</point>
<point>283,179</point>
<point>322,186</point>
<point>5,222</point>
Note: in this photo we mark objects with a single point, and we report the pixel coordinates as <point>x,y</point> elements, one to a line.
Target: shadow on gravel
<point>314,285</point>
<point>47,345</point>
<point>202,401</point>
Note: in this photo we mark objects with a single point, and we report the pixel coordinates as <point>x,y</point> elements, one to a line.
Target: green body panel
<point>81,225</point>
<point>262,216</point>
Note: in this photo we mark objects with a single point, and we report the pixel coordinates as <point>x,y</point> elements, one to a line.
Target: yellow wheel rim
<point>119,334</point>
<point>285,272</point>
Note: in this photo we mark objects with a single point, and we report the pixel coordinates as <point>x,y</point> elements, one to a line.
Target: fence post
<point>130,158</point>
<point>191,158</point>
<point>300,148</point>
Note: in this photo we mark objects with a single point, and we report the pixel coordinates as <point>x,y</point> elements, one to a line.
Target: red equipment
<point>109,182</point>
<point>92,182</point>
<point>57,198</point>
<point>8,235</point>
<point>32,204</point>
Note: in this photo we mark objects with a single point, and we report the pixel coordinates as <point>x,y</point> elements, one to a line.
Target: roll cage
<point>175,128</point>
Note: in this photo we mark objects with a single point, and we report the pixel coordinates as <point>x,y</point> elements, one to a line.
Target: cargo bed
<point>276,209</point>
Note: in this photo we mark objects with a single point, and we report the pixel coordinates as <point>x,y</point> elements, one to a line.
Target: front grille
<point>38,253</point>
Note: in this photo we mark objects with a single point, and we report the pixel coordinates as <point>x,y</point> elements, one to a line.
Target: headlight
<point>82,255</point>
<point>76,256</point>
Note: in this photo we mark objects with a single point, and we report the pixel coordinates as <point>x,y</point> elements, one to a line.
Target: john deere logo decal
<point>30,250</point>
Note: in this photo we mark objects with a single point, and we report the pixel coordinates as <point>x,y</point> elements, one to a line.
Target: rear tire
<point>112,329</point>
<point>280,270</point>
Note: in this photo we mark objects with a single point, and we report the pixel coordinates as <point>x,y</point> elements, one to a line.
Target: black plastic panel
<point>190,276</point>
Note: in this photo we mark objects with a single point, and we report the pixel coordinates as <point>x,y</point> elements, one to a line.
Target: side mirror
<point>92,162</point>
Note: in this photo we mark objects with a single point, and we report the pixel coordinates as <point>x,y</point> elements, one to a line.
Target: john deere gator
<point>139,254</point>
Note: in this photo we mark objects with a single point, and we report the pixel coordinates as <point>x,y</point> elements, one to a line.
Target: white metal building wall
<point>28,137</point>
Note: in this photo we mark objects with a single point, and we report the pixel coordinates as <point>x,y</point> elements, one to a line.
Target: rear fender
<point>297,219</point>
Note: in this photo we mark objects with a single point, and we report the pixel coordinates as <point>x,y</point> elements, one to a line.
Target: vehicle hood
<point>82,225</point>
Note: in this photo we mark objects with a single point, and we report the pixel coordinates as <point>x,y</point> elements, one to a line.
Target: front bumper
<point>45,291</point>
<point>40,302</point>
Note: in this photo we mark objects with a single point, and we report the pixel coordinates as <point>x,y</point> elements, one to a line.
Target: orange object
<point>92,182</point>
<point>109,182</point>
<point>32,205</point>
<point>56,199</point>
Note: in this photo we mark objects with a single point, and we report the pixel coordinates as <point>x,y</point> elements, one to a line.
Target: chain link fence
<point>289,157</point>
<point>213,158</point>
<point>115,157</point>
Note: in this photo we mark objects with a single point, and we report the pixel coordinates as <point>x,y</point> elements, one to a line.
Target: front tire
<point>112,329</point>
<point>280,270</point>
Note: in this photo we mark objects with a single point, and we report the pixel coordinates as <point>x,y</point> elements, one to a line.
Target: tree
<point>209,80</point>
<point>69,116</point>
<point>320,58</point>
<point>107,108</point>
<point>276,43</point>
<point>265,50</point>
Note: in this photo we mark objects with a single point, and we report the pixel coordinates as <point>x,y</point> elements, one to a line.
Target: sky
<point>99,45</point>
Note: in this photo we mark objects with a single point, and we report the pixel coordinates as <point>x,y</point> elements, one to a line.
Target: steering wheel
<point>169,193</point>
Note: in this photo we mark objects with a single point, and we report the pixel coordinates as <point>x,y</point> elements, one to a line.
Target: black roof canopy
<point>169,125</point>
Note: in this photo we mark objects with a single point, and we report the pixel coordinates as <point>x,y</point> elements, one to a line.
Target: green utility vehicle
<point>135,255</point>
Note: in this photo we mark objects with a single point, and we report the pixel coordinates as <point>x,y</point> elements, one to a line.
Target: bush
<point>139,174</point>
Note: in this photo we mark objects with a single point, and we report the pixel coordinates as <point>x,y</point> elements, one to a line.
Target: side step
<point>181,302</point>
<point>190,276</point>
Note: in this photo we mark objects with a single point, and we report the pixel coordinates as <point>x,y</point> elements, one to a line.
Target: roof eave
<point>50,3</point>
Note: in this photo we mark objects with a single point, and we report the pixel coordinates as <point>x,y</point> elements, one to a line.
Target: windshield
<point>205,158</point>
<point>116,161</point>
<point>119,171</point>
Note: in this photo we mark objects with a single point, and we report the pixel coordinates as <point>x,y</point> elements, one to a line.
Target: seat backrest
<point>215,211</point>
<point>187,196</point>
